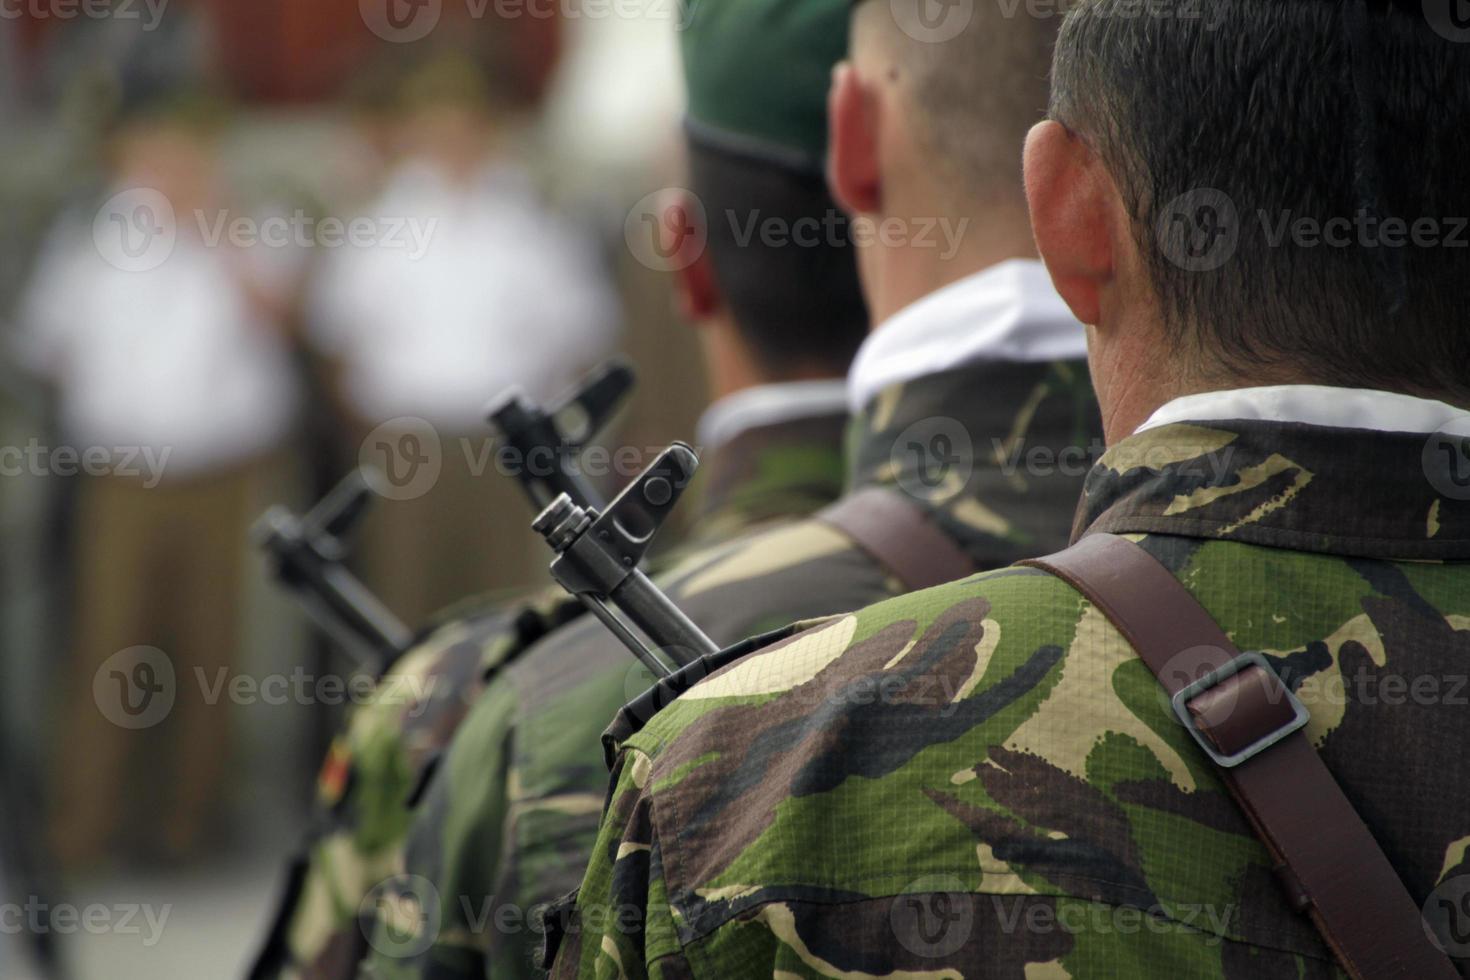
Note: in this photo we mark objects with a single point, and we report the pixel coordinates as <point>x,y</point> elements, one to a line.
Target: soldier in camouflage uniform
<point>774,453</point>
<point>1017,798</point>
<point>507,823</point>
<point>786,465</point>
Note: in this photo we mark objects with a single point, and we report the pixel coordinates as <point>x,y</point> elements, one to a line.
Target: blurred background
<point>246,247</point>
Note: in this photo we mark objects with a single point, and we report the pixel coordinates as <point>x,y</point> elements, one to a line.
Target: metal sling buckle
<point>1217,677</point>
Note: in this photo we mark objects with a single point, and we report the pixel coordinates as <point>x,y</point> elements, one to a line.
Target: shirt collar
<point>1352,492</point>
<point>1008,312</point>
<point>778,469</point>
<point>961,445</point>
<point>1319,405</point>
<point>769,404</point>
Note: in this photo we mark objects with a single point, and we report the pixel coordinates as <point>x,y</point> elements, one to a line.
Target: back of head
<point>783,259</point>
<point>780,251</point>
<point>1295,175</point>
<point>976,80</point>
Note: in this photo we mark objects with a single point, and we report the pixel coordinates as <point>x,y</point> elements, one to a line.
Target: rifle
<point>531,431</point>
<point>598,556</point>
<point>308,553</point>
<point>307,557</point>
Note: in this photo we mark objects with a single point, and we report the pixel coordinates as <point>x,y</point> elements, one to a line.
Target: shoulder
<point>950,641</point>
<point>757,552</point>
<point>998,733</point>
<point>438,686</point>
<point>420,701</point>
<point>767,579</point>
<point>967,715</point>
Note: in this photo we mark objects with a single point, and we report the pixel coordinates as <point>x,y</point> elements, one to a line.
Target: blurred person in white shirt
<point>470,284</point>
<point>175,389</point>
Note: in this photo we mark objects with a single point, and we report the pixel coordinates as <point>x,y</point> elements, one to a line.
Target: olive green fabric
<point>984,780</point>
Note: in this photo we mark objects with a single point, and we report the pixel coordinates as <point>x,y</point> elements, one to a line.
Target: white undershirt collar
<point>1339,408</point>
<point>1008,312</point>
<point>769,404</point>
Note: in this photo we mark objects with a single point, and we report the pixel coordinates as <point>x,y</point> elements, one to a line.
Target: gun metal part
<point>307,556</point>
<point>598,556</point>
<point>540,443</point>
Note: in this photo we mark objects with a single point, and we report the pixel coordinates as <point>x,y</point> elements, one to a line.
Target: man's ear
<point>696,294</point>
<point>853,173</point>
<point>1073,207</point>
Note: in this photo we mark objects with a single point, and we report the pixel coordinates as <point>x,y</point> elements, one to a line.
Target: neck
<point>728,363</point>
<point>732,367</point>
<point>1139,365</point>
<point>1129,398</point>
<point>937,253</point>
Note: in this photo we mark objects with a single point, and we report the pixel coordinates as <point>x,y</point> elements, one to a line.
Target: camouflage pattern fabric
<point>507,825</point>
<point>393,744</point>
<point>983,780</point>
<point>370,774</point>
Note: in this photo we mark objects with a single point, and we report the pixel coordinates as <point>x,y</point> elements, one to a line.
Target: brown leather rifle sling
<point>1250,725</point>
<point>897,534</point>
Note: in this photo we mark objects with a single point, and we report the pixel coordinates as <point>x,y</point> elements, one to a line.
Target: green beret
<point>758,71</point>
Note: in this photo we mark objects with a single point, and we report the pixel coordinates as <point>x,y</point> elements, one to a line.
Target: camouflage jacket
<point>393,743</point>
<point>508,826</point>
<point>983,780</point>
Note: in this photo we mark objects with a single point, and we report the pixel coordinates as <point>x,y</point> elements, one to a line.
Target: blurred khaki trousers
<point>157,568</point>
<point>464,533</point>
